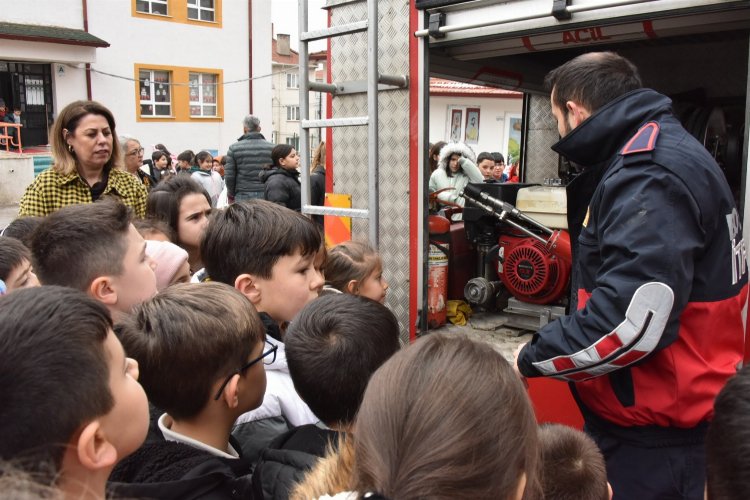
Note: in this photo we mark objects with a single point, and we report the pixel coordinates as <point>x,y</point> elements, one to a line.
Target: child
<point>203,173</point>
<point>333,347</point>
<point>185,206</point>
<point>15,265</point>
<point>446,417</point>
<point>354,267</point>
<point>728,442</point>
<point>456,168</point>
<point>282,178</point>
<point>171,263</point>
<point>184,160</point>
<point>21,228</point>
<point>72,406</point>
<point>572,467</point>
<point>95,249</point>
<point>498,172</point>
<point>201,351</point>
<point>485,163</point>
<point>154,229</point>
<point>268,253</point>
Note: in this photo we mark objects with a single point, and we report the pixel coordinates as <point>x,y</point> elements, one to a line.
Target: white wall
<point>68,85</point>
<point>16,172</point>
<point>493,111</point>
<point>21,50</point>
<point>261,33</point>
<point>67,13</point>
<point>152,41</point>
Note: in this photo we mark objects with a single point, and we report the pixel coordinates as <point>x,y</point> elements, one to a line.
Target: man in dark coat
<point>659,280</point>
<point>245,159</point>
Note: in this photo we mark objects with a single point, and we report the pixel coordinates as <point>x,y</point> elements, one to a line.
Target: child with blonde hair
<point>355,267</point>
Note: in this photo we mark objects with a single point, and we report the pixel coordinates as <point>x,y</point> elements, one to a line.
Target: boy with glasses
<point>201,349</point>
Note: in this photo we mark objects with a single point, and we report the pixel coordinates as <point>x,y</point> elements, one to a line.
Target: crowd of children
<point>276,373</point>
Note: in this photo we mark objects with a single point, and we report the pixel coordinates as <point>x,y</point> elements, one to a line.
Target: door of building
<point>29,85</point>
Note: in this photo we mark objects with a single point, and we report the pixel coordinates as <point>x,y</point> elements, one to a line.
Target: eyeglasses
<point>271,351</point>
<point>135,152</point>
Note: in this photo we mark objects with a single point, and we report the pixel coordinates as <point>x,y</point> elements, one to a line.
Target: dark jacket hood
<point>600,136</point>
<point>269,172</point>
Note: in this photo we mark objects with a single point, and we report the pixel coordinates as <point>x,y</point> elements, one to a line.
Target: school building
<point>179,72</point>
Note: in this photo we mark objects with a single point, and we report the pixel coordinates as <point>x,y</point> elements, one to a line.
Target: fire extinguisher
<point>437,265</point>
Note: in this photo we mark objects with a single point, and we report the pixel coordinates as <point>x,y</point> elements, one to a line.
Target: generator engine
<point>531,271</point>
<point>518,254</point>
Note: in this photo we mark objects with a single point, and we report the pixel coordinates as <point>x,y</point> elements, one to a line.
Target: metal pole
<point>304,108</point>
<point>372,111</point>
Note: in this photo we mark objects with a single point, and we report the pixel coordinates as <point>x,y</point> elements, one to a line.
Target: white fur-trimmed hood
<point>453,148</point>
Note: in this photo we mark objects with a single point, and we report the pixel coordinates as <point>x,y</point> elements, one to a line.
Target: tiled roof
<point>292,58</point>
<point>439,86</point>
<point>49,34</point>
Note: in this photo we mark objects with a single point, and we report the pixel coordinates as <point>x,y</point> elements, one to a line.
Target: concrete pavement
<point>7,214</point>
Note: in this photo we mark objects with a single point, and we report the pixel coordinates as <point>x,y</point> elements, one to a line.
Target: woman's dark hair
<point>279,152</point>
<point>163,202</point>
<point>435,150</point>
<point>429,427</point>
<point>162,147</point>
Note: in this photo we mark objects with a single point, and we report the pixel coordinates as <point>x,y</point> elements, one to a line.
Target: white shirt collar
<point>171,435</point>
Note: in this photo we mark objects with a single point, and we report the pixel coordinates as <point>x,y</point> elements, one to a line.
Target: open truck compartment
<point>695,52</point>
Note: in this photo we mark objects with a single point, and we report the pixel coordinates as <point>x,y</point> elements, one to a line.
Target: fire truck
<point>381,56</point>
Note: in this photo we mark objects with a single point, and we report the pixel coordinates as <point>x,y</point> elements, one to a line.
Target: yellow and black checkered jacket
<point>51,191</point>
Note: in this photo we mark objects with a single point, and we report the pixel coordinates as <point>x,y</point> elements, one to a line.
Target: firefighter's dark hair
<point>592,80</point>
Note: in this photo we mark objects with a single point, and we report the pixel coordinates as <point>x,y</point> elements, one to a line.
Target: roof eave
<point>46,39</point>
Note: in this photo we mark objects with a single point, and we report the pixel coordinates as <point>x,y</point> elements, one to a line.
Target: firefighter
<point>659,280</point>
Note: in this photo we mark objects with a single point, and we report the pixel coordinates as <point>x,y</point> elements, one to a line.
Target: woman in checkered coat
<point>85,152</point>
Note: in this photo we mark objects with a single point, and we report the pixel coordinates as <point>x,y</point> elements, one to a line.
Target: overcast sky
<point>285,17</point>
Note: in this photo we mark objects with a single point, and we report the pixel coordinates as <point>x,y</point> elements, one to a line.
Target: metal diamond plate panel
<point>349,62</point>
<point>541,161</point>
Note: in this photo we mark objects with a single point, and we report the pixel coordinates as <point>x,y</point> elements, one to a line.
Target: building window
<point>152,6</point>
<point>155,93</point>
<point>292,113</point>
<point>293,141</point>
<point>201,10</point>
<point>291,81</point>
<point>203,92</point>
